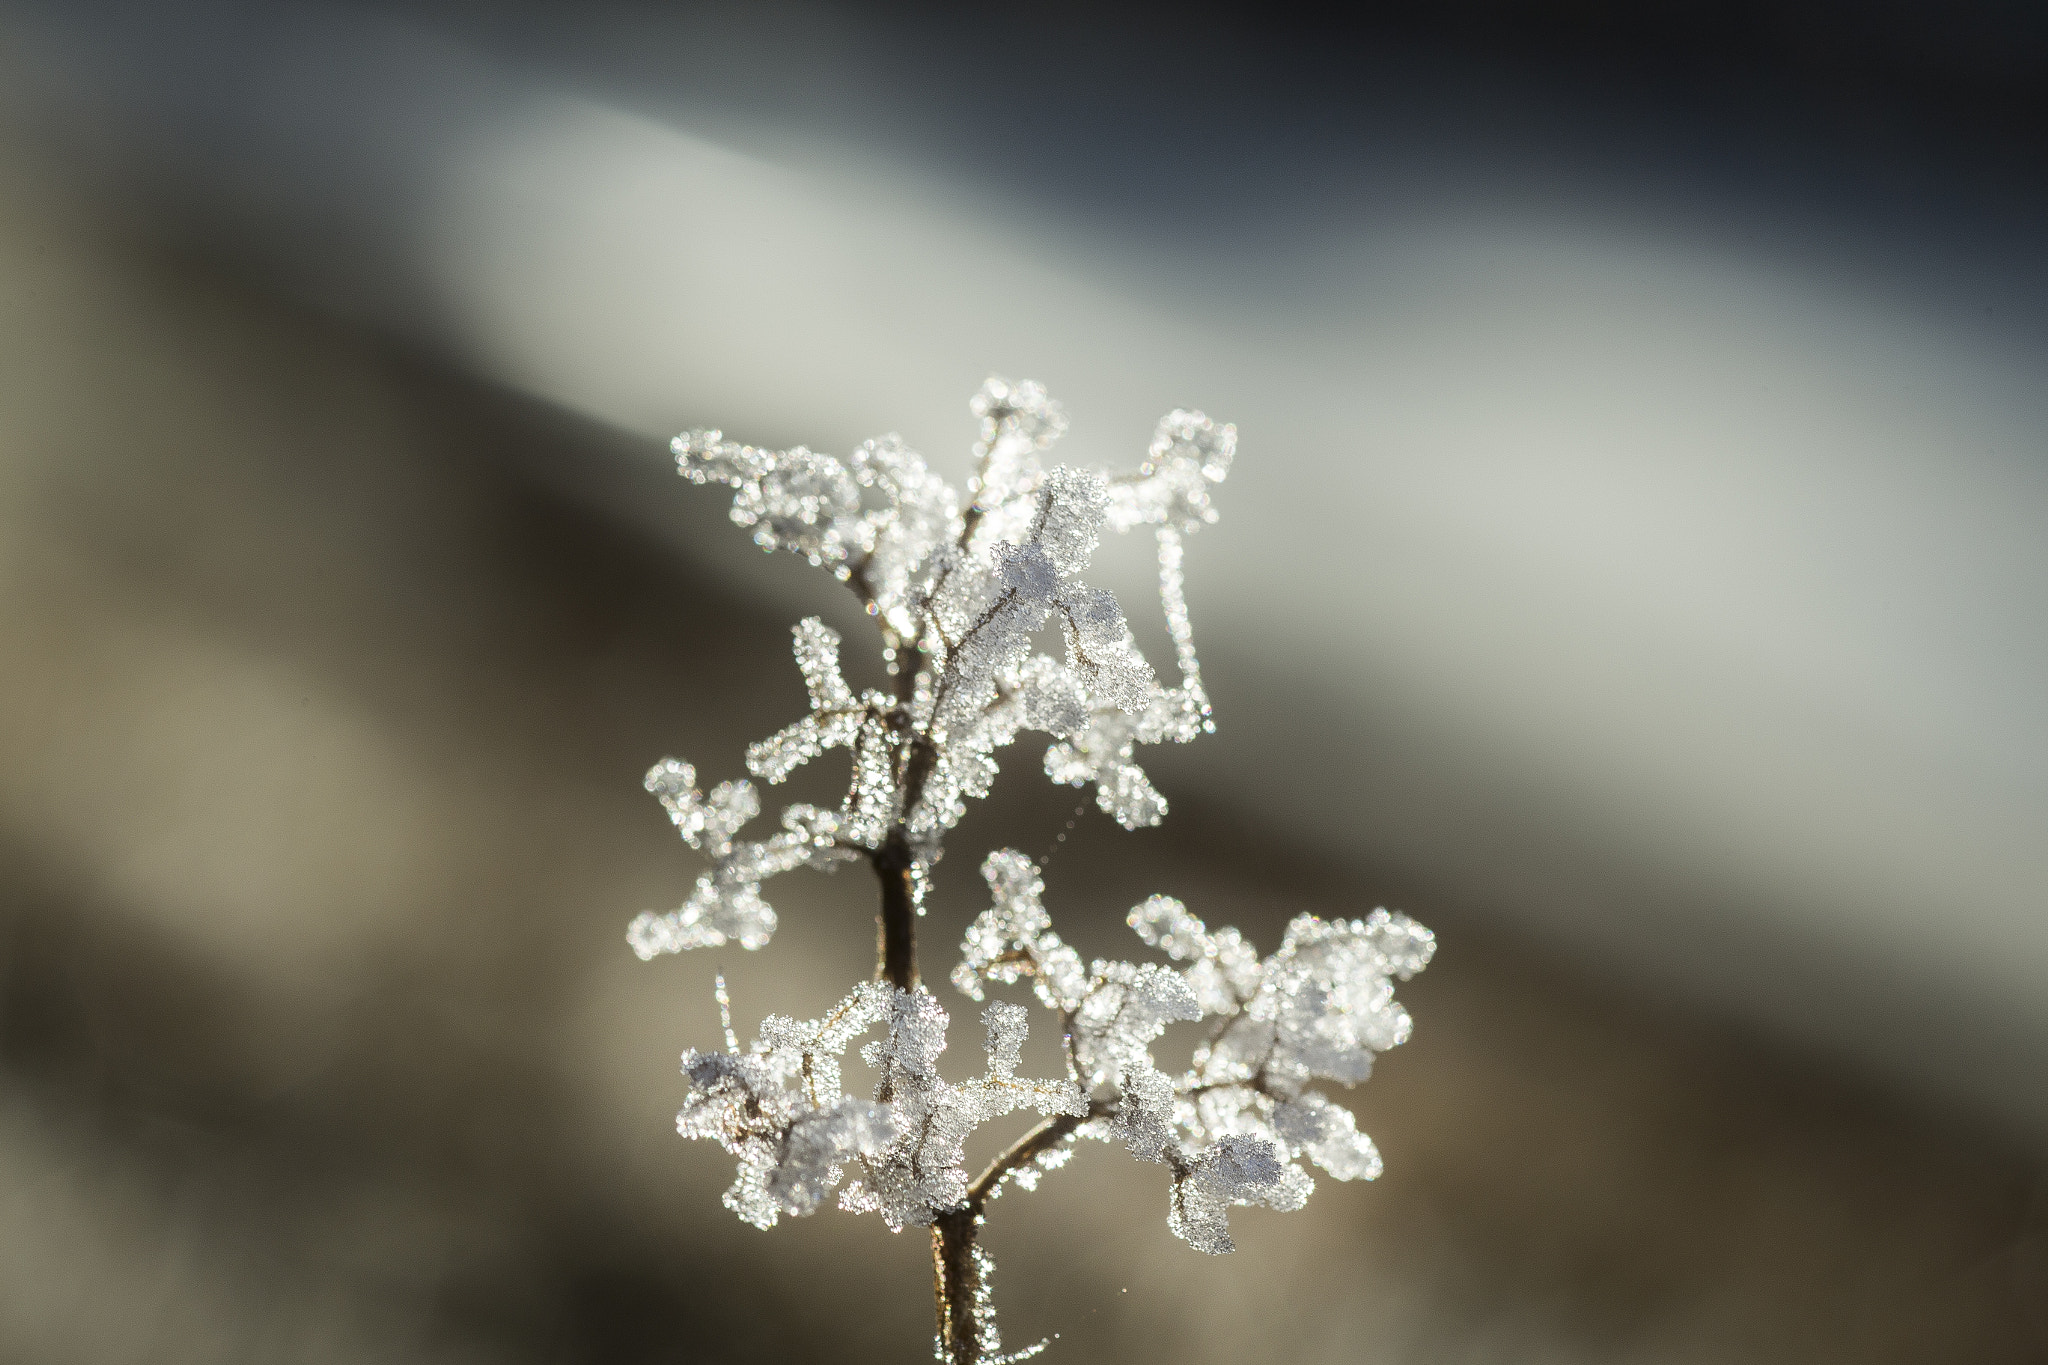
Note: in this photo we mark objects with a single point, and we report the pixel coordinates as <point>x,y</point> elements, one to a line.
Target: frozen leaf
<point>779,1110</point>
<point>1232,1170</point>
<point>1125,1008</point>
<point>920,516</point>
<point>793,500</point>
<point>706,823</point>
<point>1144,1118</point>
<point>838,718</point>
<point>1225,970</point>
<point>1017,421</point>
<point>1013,939</point>
<point>726,906</point>
<point>1102,753</point>
<point>1007,1027</point>
<point>920,1175</point>
<point>1328,1135</point>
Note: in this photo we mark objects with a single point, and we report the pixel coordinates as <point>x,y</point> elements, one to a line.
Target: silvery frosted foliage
<point>727,907</point>
<point>1170,490</point>
<point>959,588</point>
<point>779,1107</point>
<point>961,585</point>
<point>920,1174</point>
<point>1232,1127</point>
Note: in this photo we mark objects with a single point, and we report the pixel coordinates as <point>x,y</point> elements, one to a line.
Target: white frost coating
<point>959,586</point>
<point>1013,939</point>
<point>1235,1169</point>
<point>779,1109</point>
<point>1189,453</point>
<point>1232,1127</point>
<point>1328,1135</point>
<point>727,907</point>
<point>920,1175</point>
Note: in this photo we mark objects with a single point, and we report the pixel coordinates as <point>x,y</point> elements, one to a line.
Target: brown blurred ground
<point>325,707</point>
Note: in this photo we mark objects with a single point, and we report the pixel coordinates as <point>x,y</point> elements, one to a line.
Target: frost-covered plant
<point>959,587</point>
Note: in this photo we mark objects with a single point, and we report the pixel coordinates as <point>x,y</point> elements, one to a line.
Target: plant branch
<point>957,1285</point>
<point>958,1288</point>
<point>959,1291</point>
<point>1043,1138</point>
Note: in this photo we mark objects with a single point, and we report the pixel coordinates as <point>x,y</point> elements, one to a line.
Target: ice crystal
<point>960,586</point>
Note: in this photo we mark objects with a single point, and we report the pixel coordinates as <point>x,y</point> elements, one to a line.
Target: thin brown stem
<point>957,1285</point>
<point>896,925</point>
<point>894,862</point>
<point>1043,1138</point>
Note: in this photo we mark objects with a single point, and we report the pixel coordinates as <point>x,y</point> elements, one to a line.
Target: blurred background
<point>1636,568</point>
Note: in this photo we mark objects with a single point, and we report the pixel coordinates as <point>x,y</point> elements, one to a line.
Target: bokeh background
<point>1636,568</point>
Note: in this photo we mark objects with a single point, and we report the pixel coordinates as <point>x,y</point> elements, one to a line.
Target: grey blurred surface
<point>342,604</point>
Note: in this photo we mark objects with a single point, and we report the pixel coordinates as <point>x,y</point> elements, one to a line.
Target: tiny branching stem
<point>957,1286</point>
<point>1043,1138</point>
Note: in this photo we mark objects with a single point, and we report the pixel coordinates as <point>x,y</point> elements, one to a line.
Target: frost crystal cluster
<point>961,586</point>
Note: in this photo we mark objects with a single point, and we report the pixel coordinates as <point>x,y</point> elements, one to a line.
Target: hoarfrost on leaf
<point>779,1109</point>
<point>1013,939</point>
<point>1017,421</point>
<point>1231,1128</point>
<point>960,585</point>
<point>1235,1169</point>
<point>1189,453</point>
<point>920,1174</point>
<point>726,906</point>
<point>1328,1135</point>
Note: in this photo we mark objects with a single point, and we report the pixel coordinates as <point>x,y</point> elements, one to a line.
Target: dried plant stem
<point>956,1270</point>
<point>956,1284</point>
<point>960,597</point>
<point>896,931</point>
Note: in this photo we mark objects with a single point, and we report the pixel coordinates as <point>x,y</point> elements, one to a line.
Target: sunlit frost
<point>961,584</point>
